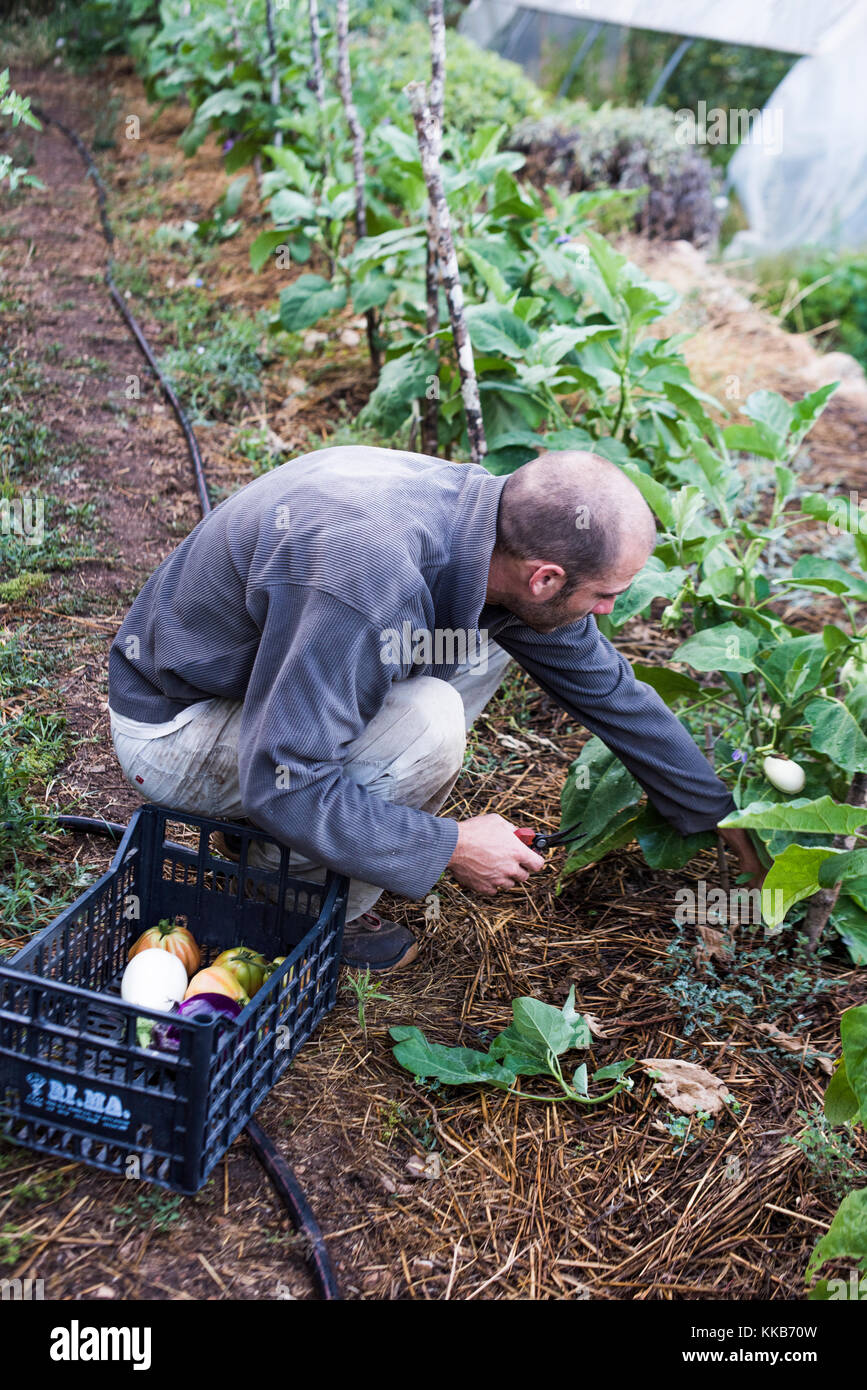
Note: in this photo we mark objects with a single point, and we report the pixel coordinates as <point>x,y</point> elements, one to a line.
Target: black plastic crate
<point>73,1080</point>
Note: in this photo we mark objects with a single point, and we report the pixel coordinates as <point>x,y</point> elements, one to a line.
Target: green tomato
<point>248,967</point>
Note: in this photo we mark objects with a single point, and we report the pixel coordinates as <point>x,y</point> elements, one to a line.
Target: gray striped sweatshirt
<point>281,597</point>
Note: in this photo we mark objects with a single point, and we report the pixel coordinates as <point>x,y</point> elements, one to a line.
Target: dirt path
<point>133,460</point>
<point>523,1200</point>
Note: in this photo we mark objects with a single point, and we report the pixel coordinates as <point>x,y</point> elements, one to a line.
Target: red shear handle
<point>526,834</point>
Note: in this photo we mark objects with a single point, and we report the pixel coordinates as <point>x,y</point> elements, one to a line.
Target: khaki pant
<point>411,753</point>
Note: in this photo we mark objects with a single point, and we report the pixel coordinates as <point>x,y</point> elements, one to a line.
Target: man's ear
<point>546,579</point>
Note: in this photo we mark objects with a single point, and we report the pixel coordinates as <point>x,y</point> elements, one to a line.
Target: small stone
<point>350,338</point>
<point>105,1291</point>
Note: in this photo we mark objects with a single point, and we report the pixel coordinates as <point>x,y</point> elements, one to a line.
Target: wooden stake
<point>430,432</point>
<point>316,48</point>
<point>427,142</point>
<point>344,77</point>
<point>275,71</point>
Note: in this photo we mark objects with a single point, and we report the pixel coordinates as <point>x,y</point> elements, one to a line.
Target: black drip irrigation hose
<point>286,1184</point>
<point>121,305</point>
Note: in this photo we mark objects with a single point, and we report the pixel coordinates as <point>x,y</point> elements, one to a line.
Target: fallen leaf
<point>430,1167</point>
<point>542,742</point>
<point>515,745</point>
<point>791,1044</point>
<point>595,1026</point>
<point>712,945</point>
<point>686,1086</point>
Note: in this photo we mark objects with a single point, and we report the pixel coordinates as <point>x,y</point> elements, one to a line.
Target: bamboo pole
<point>344,77</point>
<point>316,49</point>
<point>425,129</point>
<point>275,71</point>
<point>430,432</point>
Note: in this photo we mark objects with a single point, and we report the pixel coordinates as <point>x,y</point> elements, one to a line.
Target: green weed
<point>767,982</point>
<point>151,1210</point>
<point>366,991</point>
<point>13,1243</point>
<point>830,1151</point>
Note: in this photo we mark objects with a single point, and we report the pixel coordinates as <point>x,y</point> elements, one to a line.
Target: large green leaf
<point>793,875</point>
<point>820,816</point>
<point>806,412</point>
<point>538,1028</point>
<point>402,380</point>
<point>554,342</point>
<point>490,275</point>
<point>290,164</point>
<point>770,410</point>
<point>752,439</point>
<point>455,1066</point>
<point>618,832</point>
<point>597,788</point>
<point>496,330</point>
<point>846,1238</point>
<point>839,729</point>
<point>670,685</point>
<point>655,580</point>
<point>830,576</point>
<point>664,847</point>
<point>397,241</point>
<point>853,1035</point>
<point>371,292</point>
<point>849,920</point>
<point>794,666</point>
<point>856,888</point>
<point>290,207</point>
<point>307,300</point>
<point>724,648</point>
<point>841,1102</point>
<point>843,866</point>
<point>657,497</point>
<point>265,244</point>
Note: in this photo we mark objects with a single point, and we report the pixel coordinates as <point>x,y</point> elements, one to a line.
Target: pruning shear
<point>540,841</point>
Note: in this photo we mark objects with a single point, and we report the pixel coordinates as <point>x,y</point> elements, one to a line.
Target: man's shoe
<point>373,943</point>
<point>227,846</point>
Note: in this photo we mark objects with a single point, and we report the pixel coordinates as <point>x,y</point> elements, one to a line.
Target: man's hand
<point>489,856</point>
<point>751,864</point>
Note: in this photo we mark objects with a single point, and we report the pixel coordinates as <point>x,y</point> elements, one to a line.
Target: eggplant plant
<point>782,715</point>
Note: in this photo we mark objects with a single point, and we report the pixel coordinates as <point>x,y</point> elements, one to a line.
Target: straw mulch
<point>530,1200</point>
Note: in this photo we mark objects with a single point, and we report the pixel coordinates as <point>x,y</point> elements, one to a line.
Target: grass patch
<point>25,583</point>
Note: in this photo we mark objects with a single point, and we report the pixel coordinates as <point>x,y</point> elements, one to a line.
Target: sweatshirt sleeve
<point>316,683</point>
<point>581,670</point>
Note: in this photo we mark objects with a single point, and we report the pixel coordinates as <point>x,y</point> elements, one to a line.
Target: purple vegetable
<point>167,1038</point>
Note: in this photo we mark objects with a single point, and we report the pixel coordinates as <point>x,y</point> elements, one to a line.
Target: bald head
<point>576,510</point>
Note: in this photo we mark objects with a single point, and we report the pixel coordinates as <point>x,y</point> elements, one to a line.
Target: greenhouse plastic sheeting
<point>815,189</point>
<point>793,26</point>
<point>808,184</point>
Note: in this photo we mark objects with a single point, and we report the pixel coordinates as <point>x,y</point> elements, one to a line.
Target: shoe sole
<point>409,955</point>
